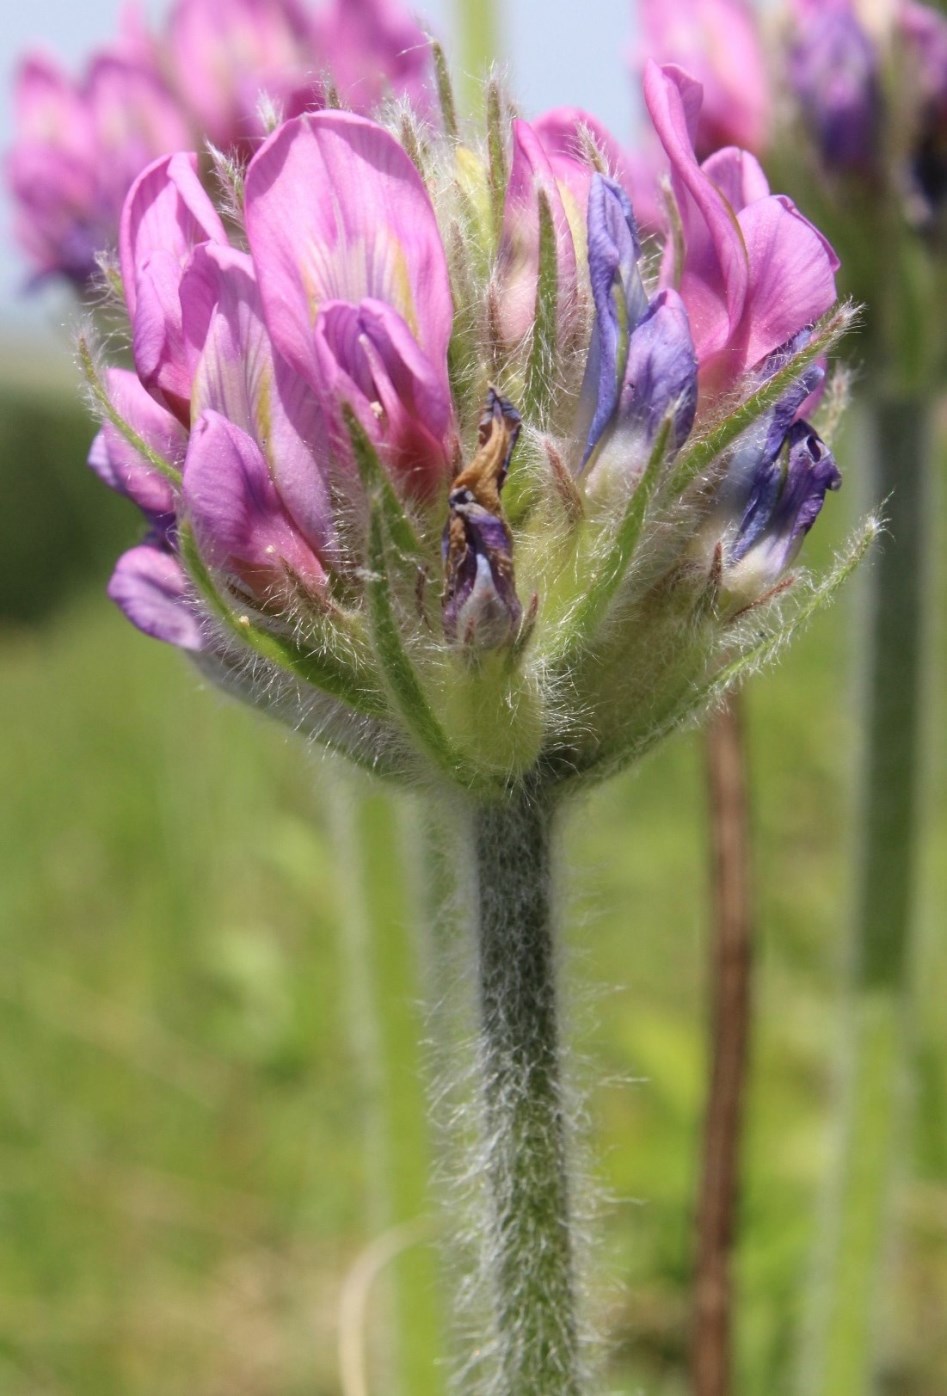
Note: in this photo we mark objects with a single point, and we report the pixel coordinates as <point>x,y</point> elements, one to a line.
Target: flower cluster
<point>437,464</point>
<point>210,74</point>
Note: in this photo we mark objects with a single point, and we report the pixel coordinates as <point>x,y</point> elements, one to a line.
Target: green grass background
<point>185,1178</point>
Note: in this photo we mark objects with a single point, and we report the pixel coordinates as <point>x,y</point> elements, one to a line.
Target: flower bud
<point>481,608</point>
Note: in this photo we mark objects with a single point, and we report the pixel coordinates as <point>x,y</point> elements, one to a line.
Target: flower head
<point>425,467</point>
<point>210,75</point>
<point>79,147</point>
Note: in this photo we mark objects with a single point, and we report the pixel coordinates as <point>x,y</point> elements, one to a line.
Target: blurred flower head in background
<point>212,73</point>
<point>436,464</point>
<point>855,127</point>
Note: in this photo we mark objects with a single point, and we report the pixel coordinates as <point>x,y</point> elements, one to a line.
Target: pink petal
<point>563,134</point>
<point>166,215</point>
<point>228,53</point>
<point>238,374</point>
<point>335,210</point>
<point>719,42</point>
<point>117,462</point>
<point>715,274</point>
<point>237,515</point>
<point>369,359</point>
<point>150,587</point>
<point>166,210</point>
<point>737,175</point>
<point>792,275</point>
<point>373,48</point>
<point>49,110</point>
<point>136,119</point>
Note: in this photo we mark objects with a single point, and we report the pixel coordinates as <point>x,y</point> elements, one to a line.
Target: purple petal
<point>784,501</point>
<point>754,453</point>
<point>661,373</point>
<point>618,296</point>
<point>239,521</point>
<point>370,232</point>
<point>123,468</point>
<point>150,587</point>
<point>480,606</point>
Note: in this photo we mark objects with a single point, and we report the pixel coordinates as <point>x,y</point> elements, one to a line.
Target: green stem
<point>842,1359</point>
<point>527,1240</point>
<point>382,959</point>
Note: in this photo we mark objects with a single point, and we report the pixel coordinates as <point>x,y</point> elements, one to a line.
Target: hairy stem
<point>842,1356</point>
<point>527,1255</point>
<point>730,970</point>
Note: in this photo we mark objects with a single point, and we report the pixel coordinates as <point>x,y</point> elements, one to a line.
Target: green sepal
<point>412,146</point>
<point>377,485</point>
<point>698,698</point>
<point>496,149</point>
<point>820,596</point>
<point>326,670</point>
<point>445,91</point>
<point>104,402</point>
<point>695,459</point>
<point>405,686</point>
<point>537,396</point>
<point>578,631</point>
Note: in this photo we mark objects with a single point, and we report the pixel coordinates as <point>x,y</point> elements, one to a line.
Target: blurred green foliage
<point>56,530</point>
<point>183,1177</point>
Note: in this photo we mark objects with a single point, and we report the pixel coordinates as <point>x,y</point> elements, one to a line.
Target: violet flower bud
<point>480,605</point>
<point>641,366</point>
<point>835,74</point>
<point>775,485</point>
<point>785,498</point>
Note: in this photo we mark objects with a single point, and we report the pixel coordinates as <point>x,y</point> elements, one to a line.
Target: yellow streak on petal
<point>404,296</point>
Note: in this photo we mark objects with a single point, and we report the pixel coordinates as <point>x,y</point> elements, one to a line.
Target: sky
<point>555,56</point>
